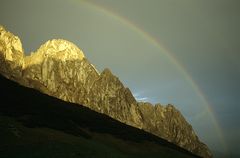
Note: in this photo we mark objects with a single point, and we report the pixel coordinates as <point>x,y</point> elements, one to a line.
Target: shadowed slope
<point>48,126</point>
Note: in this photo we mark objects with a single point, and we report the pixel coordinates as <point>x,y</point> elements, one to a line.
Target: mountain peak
<point>11,54</point>
<point>57,49</point>
<point>61,49</point>
<point>11,46</point>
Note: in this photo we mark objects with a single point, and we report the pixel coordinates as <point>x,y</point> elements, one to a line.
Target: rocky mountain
<point>34,125</point>
<point>60,69</point>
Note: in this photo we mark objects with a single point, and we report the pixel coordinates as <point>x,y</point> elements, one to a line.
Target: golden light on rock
<point>58,49</point>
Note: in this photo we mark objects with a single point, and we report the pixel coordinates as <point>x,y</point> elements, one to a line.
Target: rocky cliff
<point>60,69</point>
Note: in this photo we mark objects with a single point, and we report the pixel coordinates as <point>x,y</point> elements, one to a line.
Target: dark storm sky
<point>203,36</point>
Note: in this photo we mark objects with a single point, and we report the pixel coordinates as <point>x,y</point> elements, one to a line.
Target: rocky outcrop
<point>65,73</point>
<point>59,68</point>
<point>109,96</point>
<point>74,79</point>
<point>11,55</point>
<point>175,128</point>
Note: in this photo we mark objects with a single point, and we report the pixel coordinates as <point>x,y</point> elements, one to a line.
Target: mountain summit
<point>59,49</point>
<point>60,69</point>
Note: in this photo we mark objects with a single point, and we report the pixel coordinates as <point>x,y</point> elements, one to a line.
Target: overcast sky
<point>203,36</point>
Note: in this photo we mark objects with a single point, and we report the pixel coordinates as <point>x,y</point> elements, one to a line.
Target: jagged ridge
<point>58,68</point>
<point>30,127</point>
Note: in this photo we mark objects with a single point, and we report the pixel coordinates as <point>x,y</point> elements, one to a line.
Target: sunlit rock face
<point>109,96</point>
<point>11,55</point>
<point>64,73</point>
<point>58,49</point>
<point>59,68</point>
<point>67,75</point>
<point>173,126</point>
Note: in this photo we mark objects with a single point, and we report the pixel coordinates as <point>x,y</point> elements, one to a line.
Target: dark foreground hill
<point>35,125</point>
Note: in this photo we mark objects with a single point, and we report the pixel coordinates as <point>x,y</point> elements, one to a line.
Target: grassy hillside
<point>36,125</point>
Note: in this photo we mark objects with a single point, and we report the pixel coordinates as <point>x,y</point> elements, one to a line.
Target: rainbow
<point>151,39</point>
